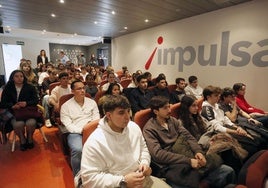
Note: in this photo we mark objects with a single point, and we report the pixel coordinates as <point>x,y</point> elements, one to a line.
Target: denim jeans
<point>75,144</point>
<point>46,106</point>
<point>221,177</point>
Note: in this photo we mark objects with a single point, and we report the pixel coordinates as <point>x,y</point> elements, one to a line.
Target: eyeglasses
<point>80,88</point>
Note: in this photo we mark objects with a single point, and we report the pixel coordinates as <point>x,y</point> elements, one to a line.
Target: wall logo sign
<point>149,61</point>
<point>237,53</point>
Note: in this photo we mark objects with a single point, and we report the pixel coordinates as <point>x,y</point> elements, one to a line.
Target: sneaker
<point>48,123</point>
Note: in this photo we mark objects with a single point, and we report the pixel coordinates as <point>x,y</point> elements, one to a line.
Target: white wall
<point>30,49</point>
<point>245,22</point>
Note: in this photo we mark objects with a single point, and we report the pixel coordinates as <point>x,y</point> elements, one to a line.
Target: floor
<point>43,166</point>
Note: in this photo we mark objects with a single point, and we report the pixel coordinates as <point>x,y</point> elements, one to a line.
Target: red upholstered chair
<point>254,172</point>
<point>175,109</point>
<point>88,129</point>
<point>199,103</point>
<point>52,86</point>
<point>172,87</point>
<point>141,117</point>
<point>98,95</point>
<point>125,83</point>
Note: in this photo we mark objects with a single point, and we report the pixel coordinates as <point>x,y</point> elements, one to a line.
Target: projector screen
<point>12,55</point>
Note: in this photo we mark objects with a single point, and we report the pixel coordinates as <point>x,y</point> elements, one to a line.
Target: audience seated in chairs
<point>105,162</point>
<point>139,97</point>
<point>56,93</point>
<point>74,115</point>
<point>177,94</point>
<point>176,154</point>
<point>193,88</point>
<point>52,78</point>
<point>240,90</point>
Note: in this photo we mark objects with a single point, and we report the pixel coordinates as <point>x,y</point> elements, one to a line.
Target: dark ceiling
<point>78,16</point>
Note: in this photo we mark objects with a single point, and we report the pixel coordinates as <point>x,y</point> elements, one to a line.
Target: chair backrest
<point>175,109</point>
<point>172,87</point>
<point>141,117</point>
<point>125,83</point>
<point>52,86</point>
<point>88,129</point>
<point>199,103</point>
<point>66,97</point>
<point>254,172</point>
<point>98,95</point>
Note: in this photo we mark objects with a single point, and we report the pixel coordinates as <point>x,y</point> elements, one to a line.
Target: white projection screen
<point>12,55</point>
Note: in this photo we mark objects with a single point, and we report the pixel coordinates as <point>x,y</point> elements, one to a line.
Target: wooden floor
<point>43,166</point>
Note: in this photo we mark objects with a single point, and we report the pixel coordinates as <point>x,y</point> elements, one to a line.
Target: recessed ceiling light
<point>113,12</point>
<point>44,30</point>
<point>75,34</point>
<point>125,28</point>
<point>61,1</point>
<point>95,22</point>
<point>146,20</point>
<point>53,15</point>
<point>0,6</point>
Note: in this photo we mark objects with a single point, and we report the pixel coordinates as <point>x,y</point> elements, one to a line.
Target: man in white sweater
<point>75,114</point>
<point>115,154</point>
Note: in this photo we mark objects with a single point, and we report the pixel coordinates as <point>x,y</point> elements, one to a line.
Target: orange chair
<point>175,109</point>
<point>125,83</point>
<point>52,86</point>
<point>88,129</point>
<point>141,117</point>
<point>254,172</point>
<point>98,95</point>
<point>199,103</point>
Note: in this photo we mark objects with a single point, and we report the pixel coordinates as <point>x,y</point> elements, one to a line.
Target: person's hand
<point>134,179</point>
<point>254,121</point>
<point>241,131</point>
<point>145,169</point>
<point>195,163</point>
<point>16,106</point>
<point>201,159</point>
<point>22,104</point>
<point>56,107</point>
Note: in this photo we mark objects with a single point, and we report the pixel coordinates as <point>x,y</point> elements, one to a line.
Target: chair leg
<point>43,134</point>
<point>13,142</point>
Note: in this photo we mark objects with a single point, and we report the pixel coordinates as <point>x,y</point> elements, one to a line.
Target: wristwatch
<point>123,183</point>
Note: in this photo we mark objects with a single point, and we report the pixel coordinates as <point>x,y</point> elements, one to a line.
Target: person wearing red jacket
<point>259,114</point>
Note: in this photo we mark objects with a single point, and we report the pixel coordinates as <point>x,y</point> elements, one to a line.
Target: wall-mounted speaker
<point>1,30</point>
<point>106,40</point>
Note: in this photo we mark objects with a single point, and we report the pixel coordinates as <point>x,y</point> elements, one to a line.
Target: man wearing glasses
<point>75,114</point>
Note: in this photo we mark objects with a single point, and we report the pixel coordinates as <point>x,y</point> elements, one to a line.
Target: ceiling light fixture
<point>53,15</point>
<point>95,22</point>
<point>61,1</point>
<point>125,28</point>
<point>0,6</point>
<point>75,34</point>
<point>113,12</point>
<point>146,20</point>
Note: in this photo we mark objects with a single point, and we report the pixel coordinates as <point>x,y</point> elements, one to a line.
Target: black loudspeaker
<point>1,30</point>
<point>106,40</point>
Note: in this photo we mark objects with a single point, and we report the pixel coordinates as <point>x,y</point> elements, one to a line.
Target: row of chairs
<point>255,171</point>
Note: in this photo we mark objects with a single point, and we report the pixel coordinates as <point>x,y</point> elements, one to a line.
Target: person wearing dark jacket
<point>42,58</point>
<point>18,94</point>
<point>176,152</point>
